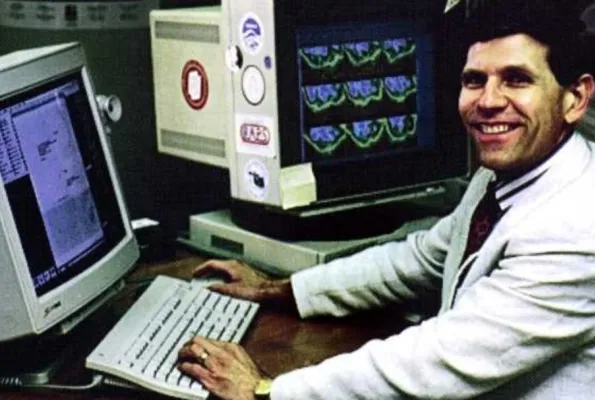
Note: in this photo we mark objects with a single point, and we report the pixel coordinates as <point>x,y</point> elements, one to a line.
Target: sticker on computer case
<point>195,84</point>
<point>253,85</point>
<point>234,60</point>
<point>251,33</point>
<point>256,179</point>
<point>255,135</point>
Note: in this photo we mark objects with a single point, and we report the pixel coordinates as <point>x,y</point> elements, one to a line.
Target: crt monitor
<point>65,237</point>
<point>340,104</point>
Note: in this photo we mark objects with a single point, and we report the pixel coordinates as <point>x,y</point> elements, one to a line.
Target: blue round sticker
<point>251,33</point>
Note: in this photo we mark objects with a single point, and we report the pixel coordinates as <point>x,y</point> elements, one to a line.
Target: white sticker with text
<point>255,134</point>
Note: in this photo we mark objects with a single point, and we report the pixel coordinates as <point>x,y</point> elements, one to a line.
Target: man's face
<point>511,103</point>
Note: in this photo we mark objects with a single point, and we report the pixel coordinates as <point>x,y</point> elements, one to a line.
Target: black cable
<point>95,382</point>
<point>16,382</point>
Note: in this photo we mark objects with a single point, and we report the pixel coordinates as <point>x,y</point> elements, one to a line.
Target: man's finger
<point>213,349</point>
<point>186,354</point>
<point>239,290</point>
<point>211,267</point>
<point>223,288</point>
<point>196,371</point>
<point>192,352</point>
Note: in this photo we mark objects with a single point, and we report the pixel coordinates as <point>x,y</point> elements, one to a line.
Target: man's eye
<point>473,80</point>
<point>516,79</point>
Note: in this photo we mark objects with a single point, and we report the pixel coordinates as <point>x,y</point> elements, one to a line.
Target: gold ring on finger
<point>202,358</point>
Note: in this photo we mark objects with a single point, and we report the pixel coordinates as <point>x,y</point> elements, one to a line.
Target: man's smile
<point>494,128</point>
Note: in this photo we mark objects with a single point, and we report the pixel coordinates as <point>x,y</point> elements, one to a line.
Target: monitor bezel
<point>339,181</point>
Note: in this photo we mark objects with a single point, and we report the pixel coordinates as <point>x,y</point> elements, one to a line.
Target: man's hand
<point>247,283</point>
<point>224,369</point>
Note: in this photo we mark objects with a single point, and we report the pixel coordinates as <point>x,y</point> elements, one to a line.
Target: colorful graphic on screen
<point>358,97</point>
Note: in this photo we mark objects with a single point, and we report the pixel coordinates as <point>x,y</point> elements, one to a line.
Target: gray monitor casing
<point>23,312</point>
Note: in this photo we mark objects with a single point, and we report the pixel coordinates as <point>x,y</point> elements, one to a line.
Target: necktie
<point>484,218</point>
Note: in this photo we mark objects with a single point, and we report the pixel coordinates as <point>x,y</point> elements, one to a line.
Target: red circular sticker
<point>195,84</point>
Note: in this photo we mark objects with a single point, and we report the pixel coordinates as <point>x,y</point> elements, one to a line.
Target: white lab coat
<point>521,326</point>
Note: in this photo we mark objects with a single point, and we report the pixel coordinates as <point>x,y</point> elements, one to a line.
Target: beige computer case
<point>192,117</point>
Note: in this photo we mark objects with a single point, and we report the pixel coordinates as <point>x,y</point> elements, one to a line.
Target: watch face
<point>263,388</point>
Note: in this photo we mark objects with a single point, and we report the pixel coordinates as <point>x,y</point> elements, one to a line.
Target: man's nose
<point>492,96</point>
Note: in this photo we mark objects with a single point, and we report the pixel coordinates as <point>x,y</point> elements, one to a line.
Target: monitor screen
<point>57,182</point>
<point>365,91</point>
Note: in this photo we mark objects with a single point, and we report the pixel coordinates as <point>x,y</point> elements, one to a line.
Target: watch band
<point>262,391</point>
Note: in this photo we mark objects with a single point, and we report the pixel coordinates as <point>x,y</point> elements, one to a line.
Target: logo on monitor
<point>195,84</point>
<point>256,179</point>
<point>48,310</point>
<point>255,134</point>
<point>251,33</point>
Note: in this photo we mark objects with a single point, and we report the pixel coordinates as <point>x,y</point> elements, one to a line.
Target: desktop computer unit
<point>324,108</point>
<point>215,233</point>
<point>188,64</point>
<point>65,236</point>
<point>66,242</point>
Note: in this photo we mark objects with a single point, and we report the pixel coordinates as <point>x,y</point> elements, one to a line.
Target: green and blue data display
<point>360,97</point>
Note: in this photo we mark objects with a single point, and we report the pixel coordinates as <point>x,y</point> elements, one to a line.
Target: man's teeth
<point>495,128</point>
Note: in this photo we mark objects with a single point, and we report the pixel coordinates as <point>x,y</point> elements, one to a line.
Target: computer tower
<point>188,75</point>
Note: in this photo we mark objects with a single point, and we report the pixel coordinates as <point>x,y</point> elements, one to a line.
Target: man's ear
<point>577,98</point>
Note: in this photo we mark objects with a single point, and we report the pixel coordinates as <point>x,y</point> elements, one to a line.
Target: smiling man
<point>514,262</point>
<point>512,104</point>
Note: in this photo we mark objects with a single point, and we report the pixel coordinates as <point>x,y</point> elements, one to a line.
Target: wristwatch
<point>262,391</point>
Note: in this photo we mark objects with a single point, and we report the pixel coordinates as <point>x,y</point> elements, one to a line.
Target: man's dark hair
<point>555,23</point>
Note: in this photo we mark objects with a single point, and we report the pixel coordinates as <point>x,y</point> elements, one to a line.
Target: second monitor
<point>65,237</point>
<point>328,106</point>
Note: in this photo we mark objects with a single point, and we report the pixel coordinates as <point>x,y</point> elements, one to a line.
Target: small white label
<point>251,33</point>
<point>256,179</point>
<point>298,186</point>
<point>233,58</point>
<point>143,223</point>
<point>255,134</point>
<point>253,86</point>
<point>194,85</point>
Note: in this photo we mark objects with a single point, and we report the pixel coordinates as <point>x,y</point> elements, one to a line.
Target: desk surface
<point>277,342</point>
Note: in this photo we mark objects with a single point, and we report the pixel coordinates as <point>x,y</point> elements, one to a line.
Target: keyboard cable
<point>8,382</point>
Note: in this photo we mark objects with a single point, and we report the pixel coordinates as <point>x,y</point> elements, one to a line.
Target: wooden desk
<point>277,342</point>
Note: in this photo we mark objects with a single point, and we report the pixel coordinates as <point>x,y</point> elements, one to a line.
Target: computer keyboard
<point>142,347</point>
